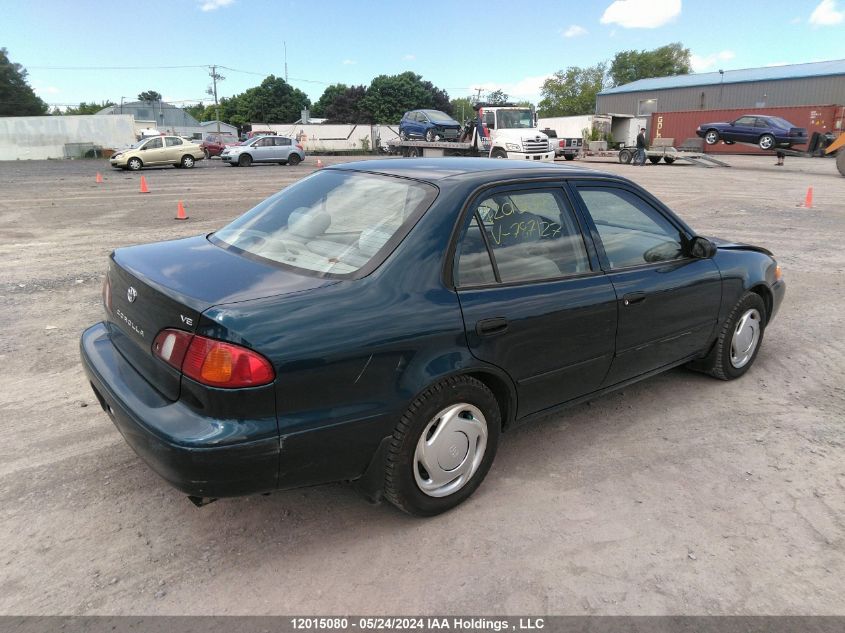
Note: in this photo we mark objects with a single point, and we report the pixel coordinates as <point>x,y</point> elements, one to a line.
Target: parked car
<point>431,125</point>
<point>264,149</point>
<point>569,148</point>
<point>214,144</point>
<point>157,151</point>
<point>385,321</point>
<point>769,132</point>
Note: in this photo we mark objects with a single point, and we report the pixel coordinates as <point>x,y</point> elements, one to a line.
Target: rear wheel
<point>245,160</point>
<point>625,156</point>
<point>134,164</point>
<point>767,141</point>
<point>187,161</point>
<point>739,340</point>
<point>294,160</point>
<point>207,153</point>
<point>712,137</point>
<point>654,159</point>
<point>668,160</point>
<point>569,156</point>
<point>442,447</point>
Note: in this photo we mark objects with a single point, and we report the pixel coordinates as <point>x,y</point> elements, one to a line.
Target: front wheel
<point>654,159</point>
<point>429,135</point>
<point>403,135</point>
<point>498,153</point>
<point>767,141</point>
<point>134,164</point>
<point>712,137</point>
<point>739,340</point>
<point>245,160</point>
<point>294,160</point>
<point>569,156</point>
<point>442,447</point>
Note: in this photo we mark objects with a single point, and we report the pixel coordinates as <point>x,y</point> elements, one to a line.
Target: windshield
<point>332,222</point>
<point>439,117</point>
<point>515,118</point>
<point>139,143</point>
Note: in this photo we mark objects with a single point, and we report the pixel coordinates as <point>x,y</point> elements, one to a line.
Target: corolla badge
<point>131,294</point>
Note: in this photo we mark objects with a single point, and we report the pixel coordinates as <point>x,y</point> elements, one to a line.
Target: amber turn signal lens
<point>778,273</point>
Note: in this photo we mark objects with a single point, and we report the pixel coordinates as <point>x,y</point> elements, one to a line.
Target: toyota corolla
<point>384,322</point>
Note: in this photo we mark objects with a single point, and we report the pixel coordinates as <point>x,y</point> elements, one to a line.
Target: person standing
<point>780,156</point>
<point>639,159</point>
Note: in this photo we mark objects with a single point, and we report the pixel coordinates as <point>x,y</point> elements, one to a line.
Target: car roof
<point>438,169</point>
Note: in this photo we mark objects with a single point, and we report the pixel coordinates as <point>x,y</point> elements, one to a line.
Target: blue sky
<point>510,45</point>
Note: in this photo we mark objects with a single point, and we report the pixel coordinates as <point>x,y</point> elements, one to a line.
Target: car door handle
<point>633,297</point>
<point>491,327</point>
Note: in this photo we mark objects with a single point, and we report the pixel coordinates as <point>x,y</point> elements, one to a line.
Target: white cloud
<point>574,31</point>
<point>348,62</point>
<point>641,14</point>
<point>213,5</point>
<point>703,63</point>
<point>826,14</point>
<point>409,57</point>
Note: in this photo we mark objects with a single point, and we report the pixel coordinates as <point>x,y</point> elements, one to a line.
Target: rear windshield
<point>333,223</point>
<point>776,120</point>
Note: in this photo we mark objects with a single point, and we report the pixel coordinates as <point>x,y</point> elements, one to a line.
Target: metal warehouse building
<point>775,86</point>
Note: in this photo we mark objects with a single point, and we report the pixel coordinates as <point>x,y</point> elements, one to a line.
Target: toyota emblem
<point>131,294</point>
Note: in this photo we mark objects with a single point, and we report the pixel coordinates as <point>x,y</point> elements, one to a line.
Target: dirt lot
<point>680,495</point>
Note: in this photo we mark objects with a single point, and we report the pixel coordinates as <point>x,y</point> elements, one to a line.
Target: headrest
<point>306,223</point>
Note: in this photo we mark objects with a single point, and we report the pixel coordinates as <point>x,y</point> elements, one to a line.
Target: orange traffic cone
<point>808,201</point>
<point>144,188</point>
<point>319,164</point>
<point>99,178</point>
<point>180,211</point>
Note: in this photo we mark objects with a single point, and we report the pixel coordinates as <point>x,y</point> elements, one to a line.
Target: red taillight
<point>212,362</point>
<point>107,293</point>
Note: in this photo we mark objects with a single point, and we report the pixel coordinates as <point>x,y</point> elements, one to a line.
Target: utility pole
<point>477,94</point>
<point>213,91</point>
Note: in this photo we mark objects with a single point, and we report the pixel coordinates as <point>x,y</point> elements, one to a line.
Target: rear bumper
<point>172,438</point>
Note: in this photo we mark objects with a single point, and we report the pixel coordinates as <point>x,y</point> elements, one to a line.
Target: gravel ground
<point>679,495</point>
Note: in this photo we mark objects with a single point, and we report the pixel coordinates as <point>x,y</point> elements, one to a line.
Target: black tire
<point>414,152</point>
<point>569,156</point>
<point>400,485</point>
<point>294,160</point>
<point>207,154</point>
<point>498,153</point>
<point>668,160</point>
<point>840,161</point>
<point>134,164</point>
<point>711,137</point>
<point>429,135</point>
<point>403,135</point>
<point>187,162</point>
<point>654,159</point>
<point>718,362</point>
<point>767,141</point>
<point>245,160</point>
<point>625,156</point>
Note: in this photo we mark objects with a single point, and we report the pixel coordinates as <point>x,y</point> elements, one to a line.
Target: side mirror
<point>702,248</point>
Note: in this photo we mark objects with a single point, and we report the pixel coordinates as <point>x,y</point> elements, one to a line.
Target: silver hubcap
<point>711,137</point>
<point>188,162</point>
<point>766,142</point>
<point>745,339</point>
<point>450,450</point>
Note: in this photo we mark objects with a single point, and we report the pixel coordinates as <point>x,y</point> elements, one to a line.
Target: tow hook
<point>201,501</point>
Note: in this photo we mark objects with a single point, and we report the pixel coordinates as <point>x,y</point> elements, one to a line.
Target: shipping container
<point>682,125</point>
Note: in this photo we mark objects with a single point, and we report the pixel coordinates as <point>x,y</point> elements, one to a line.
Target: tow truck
<point>502,130</point>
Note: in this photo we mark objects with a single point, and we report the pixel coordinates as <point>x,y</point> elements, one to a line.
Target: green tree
<point>572,91</point>
<point>462,109</point>
<point>16,96</point>
<point>327,98</point>
<point>88,108</point>
<point>274,101</point>
<point>345,107</point>
<point>497,96</point>
<point>149,95</point>
<point>388,97</point>
<point>201,112</point>
<point>628,66</point>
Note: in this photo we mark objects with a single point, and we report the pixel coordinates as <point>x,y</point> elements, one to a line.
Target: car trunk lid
<point>170,284</point>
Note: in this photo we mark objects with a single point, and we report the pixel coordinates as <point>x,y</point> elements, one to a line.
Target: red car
<point>214,144</point>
